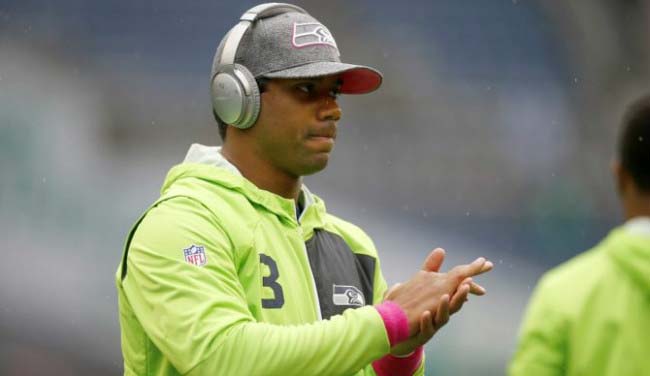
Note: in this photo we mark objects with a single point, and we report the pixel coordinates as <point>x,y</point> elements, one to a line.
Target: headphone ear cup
<point>235,96</point>
<point>252,100</point>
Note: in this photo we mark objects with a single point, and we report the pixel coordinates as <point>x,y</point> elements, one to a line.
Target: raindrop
<point>575,79</point>
<point>627,68</point>
<point>44,180</point>
<point>640,138</point>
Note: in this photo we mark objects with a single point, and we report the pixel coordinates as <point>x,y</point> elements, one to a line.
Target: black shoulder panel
<point>343,278</point>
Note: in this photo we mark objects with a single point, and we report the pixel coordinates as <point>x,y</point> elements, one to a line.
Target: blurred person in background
<point>591,315</point>
<point>237,268</point>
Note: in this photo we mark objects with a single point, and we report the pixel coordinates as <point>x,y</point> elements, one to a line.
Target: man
<point>591,315</point>
<point>237,269</point>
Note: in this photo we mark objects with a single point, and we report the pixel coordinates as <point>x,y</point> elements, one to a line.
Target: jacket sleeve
<point>542,344</point>
<point>380,289</point>
<point>198,317</point>
<point>420,370</point>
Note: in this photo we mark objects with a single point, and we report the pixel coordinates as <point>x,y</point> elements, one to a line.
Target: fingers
<point>427,330</point>
<point>460,296</point>
<point>486,267</point>
<point>478,266</point>
<point>426,325</point>
<point>434,261</point>
<point>442,315</point>
<point>476,289</point>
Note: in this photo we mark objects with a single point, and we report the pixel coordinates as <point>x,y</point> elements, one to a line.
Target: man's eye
<point>334,93</point>
<point>306,88</point>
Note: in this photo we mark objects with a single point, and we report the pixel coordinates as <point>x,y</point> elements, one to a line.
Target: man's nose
<point>329,110</point>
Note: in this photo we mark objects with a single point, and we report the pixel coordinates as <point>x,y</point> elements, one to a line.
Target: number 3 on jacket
<point>270,281</point>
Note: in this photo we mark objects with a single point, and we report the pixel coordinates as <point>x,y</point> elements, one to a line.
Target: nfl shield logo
<point>195,255</point>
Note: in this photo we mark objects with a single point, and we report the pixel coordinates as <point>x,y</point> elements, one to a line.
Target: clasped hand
<point>430,297</point>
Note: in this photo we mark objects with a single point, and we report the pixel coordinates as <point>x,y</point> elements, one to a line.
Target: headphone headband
<point>235,94</point>
<point>246,20</point>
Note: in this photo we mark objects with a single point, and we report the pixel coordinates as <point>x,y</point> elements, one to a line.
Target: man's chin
<point>317,164</point>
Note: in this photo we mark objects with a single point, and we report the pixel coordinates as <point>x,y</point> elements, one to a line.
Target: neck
<point>262,173</point>
<point>637,206</point>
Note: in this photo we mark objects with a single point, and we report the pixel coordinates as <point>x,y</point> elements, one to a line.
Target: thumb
<point>434,261</point>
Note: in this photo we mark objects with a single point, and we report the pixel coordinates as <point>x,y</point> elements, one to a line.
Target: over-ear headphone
<point>235,94</point>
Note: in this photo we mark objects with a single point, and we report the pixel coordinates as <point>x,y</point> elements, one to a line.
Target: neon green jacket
<point>591,315</point>
<point>220,278</point>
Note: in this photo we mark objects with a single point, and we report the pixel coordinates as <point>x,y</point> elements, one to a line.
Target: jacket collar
<point>230,176</point>
<point>638,225</point>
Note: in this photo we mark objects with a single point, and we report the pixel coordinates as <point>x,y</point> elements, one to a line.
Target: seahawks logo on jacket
<point>347,295</point>
<point>344,279</point>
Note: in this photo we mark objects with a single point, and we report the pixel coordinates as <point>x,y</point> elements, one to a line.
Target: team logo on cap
<point>195,255</point>
<point>310,34</point>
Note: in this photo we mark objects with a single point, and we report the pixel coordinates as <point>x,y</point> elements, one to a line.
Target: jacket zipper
<point>313,281</point>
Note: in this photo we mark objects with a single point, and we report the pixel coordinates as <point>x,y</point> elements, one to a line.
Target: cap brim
<point>357,79</point>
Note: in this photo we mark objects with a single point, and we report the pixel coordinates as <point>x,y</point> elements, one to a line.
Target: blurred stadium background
<point>492,135</point>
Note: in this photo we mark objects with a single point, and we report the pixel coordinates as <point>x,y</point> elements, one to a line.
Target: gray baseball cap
<point>296,45</point>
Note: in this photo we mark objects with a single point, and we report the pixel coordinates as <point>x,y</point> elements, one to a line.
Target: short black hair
<point>261,84</point>
<point>222,126</point>
<point>634,142</point>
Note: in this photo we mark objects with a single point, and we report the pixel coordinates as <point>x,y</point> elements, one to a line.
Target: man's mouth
<point>325,133</point>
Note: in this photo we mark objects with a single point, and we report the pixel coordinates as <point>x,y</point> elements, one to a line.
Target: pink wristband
<point>395,321</point>
<point>394,366</point>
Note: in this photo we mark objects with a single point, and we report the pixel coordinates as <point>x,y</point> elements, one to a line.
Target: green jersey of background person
<point>591,315</point>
